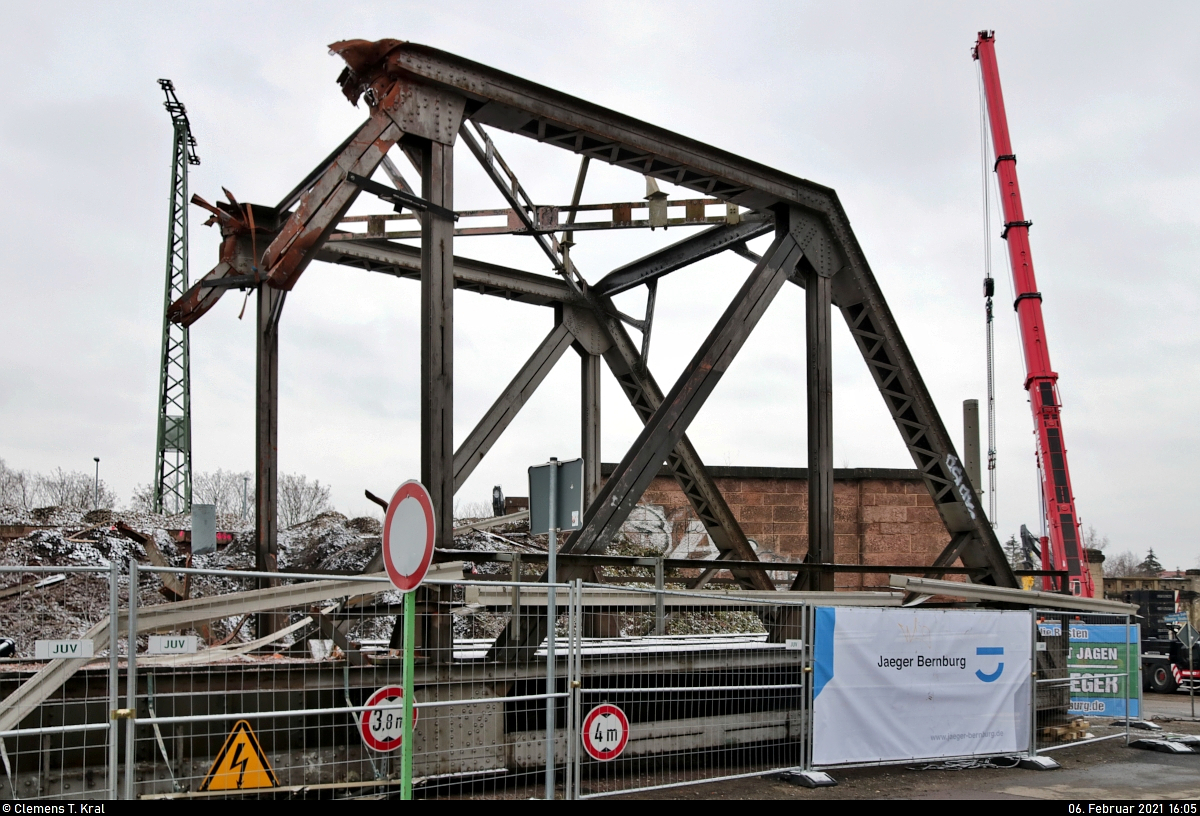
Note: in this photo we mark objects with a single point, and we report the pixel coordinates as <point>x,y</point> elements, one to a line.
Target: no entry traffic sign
<point>382,728</point>
<point>605,732</point>
<point>408,536</point>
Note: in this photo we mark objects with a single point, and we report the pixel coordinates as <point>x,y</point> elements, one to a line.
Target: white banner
<point>895,684</point>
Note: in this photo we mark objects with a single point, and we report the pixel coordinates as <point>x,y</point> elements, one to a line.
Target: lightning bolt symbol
<point>241,766</point>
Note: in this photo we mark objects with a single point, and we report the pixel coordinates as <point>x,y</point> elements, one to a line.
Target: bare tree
<point>300,500</point>
<point>471,510</point>
<point>18,488</point>
<point>143,498</point>
<point>222,488</point>
<point>1093,540</point>
<point>1121,565</point>
<point>74,490</point>
<point>71,490</point>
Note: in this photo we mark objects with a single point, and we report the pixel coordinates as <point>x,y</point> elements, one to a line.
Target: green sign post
<point>406,749</point>
<point>408,536</point>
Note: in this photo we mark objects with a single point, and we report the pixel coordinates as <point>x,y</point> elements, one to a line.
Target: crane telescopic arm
<point>1064,550</point>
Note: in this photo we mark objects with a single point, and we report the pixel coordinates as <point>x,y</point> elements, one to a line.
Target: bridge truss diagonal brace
<point>664,429</point>
<point>685,464</point>
<point>598,331</point>
<point>405,110</point>
<point>323,205</point>
<point>857,294</point>
<point>679,255</point>
<point>669,422</point>
<point>504,410</point>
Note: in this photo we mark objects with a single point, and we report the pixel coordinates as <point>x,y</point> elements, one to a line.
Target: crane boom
<point>1041,381</point>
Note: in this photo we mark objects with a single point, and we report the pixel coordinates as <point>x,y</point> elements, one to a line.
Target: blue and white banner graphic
<point>1104,664</point>
<point>894,684</point>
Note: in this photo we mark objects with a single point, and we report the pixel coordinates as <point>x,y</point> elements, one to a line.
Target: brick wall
<point>881,516</point>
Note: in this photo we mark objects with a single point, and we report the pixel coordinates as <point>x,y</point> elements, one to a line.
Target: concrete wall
<point>881,516</point>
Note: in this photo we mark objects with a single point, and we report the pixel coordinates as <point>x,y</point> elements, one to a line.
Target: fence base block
<point>1038,763</point>
<point>1162,745</point>
<point>808,779</point>
<point>1142,724</point>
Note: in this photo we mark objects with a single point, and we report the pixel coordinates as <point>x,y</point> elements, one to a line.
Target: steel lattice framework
<point>424,101</point>
<point>173,462</point>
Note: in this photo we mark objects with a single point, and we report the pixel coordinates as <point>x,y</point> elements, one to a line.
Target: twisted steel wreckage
<point>424,100</point>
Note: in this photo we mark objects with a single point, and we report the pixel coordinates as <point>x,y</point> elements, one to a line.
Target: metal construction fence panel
<point>674,688</point>
<point>242,685</point>
<point>59,681</point>
<point>893,686</point>
<point>302,695</point>
<point>1087,678</point>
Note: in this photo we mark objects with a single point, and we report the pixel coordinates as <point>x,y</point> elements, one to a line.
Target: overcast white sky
<point>877,100</point>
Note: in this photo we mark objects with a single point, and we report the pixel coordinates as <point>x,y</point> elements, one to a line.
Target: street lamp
<point>96,488</point>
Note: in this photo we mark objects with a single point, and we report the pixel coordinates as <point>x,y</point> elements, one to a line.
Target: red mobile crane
<point>1063,551</point>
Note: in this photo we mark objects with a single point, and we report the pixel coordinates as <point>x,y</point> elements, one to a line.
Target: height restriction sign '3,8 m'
<point>408,536</point>
<point>382,722</point>
<point>605,732</point>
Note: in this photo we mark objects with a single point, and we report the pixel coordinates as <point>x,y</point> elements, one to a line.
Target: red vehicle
<point>1064,550</point>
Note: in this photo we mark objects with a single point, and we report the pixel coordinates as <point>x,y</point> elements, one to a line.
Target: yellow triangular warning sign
<point>240,764</point>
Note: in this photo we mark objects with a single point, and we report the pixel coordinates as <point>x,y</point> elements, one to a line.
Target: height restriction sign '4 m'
<point>408,534</point>
<point>605,732</point>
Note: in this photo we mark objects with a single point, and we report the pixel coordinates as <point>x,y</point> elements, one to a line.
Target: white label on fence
<point>172,644</point>
<point>1041,645</point>
<point>898,684</point>
<point>793,645</point>
<point>56,649</point>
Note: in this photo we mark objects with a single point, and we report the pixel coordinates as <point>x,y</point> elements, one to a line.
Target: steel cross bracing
<point>173,458</point>
<point>423,100</point>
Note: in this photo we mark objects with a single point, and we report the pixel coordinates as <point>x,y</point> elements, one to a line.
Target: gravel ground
<point>1098,770</point>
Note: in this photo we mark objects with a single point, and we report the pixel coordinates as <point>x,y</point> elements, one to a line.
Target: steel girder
<point>591,320</point>
<point>392,74</point>
<point>665,427</point>
<point>470,275</point>
<point>503,101</point>
<point>688,251</point>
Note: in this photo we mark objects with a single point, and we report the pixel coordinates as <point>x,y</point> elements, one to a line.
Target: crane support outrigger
<point>1041,381</point>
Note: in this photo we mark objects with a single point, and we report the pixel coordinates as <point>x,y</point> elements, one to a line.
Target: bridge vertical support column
<point>437,337</point>
<point>266,443</point>
<point>589,448</point>
<point>818,292</point>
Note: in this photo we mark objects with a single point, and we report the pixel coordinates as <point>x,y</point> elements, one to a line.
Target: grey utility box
<point>204,528</point>
<point>569,503</point>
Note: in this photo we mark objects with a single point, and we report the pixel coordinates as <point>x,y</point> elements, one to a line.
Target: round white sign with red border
<point>605,732</point>
<point>408,534</point>
<point>382,729</point>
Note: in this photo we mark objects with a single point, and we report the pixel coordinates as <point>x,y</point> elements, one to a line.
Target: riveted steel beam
<point>403,261</point>
<point>669,421</point>
<point>509,103</point>
<point>688,251</point>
